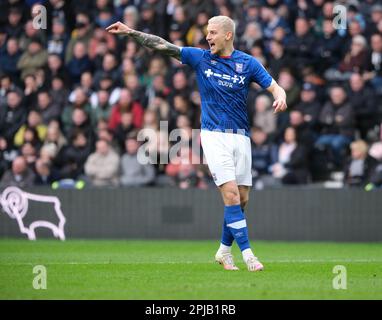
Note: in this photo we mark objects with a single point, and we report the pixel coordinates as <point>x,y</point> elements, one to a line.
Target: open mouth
<point>212,46</point>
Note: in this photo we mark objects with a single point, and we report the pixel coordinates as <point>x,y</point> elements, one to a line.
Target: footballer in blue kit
<point>223,85</point>
<point>223,76</point>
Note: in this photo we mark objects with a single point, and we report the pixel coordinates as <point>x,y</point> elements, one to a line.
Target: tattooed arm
<point>147,40</point>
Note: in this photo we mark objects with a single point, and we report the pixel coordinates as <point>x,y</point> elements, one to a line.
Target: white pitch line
<point>192,262</point>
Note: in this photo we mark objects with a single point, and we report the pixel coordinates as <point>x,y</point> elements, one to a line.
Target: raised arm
<point>147,40</point>
<point>279,95</point>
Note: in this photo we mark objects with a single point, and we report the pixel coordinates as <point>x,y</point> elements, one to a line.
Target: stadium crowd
<point>73,98</point>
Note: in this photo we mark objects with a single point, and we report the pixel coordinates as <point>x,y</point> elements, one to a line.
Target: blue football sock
<point>227,237</point>
<point>235,220</point>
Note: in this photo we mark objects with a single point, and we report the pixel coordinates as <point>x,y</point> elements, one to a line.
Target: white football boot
<point>253,264</point>
<point>226,260</point>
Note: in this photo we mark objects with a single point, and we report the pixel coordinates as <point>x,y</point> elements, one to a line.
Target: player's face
<point>216,38</point>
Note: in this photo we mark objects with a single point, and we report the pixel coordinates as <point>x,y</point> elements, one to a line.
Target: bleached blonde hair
<point>226,22</point>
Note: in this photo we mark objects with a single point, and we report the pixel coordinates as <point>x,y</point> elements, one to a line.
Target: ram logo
<point>15,203</point>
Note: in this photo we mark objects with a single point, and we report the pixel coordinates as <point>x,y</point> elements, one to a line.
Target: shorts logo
<point>239,67</point>
<point>214,176</point>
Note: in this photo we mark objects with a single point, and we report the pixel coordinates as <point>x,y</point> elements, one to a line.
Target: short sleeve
<point>260,75</point>
<point>191,56</point>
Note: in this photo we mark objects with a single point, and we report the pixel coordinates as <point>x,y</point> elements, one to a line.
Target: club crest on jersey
<point>239,67</point>
<point>214,62</point>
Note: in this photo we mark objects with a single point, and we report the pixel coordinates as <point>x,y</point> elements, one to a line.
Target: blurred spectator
<point>355,58</point>
<point>70,160</point>
<point>278,59</point>
<point>304,132</point>
<point>252,34</point>
<point>131,16</point>
<point>100,43</point>
<point>58,9</point>
<point>102,109</point>
<point>364,103</point>
<point>180,85</point>
<point>263,116</point>
<point>288,82</point>
<point>182,169</point>
<point>262,156</point>
<point>309,105</point>
<point>12,116</point>
<point>6,85</point>
<point>81,121</point>
<point>109,67</point>
<point>86,84</point>
<point>360,166</point>
<point>157,66</point>
<point>181,106</point>
<point>106,83</point>
<point>14,28</point>
<point>374,67</point>
<point>31,88</point>
<point>157,87</point>
<point>35,57</point>
<point>271,20</point>
<point>126,104</point>
<point>125,127</point>
<point>301,45</point>
<point>79,63</point>
<point>29,151</point>
<point>150,21</point>
<point>160,105</point>
<point>56,69</point>
<point>375,152</point>
<point>337,124</point>
<point>47,108</point>
<point>180,23</point>
<point>326,13</point>
<point>107,135</point>
<point>329,46</point>
<point>20,175</point>
<point>104,17</point>
<point>132,83</point>
<point>30,33</point>
<point>10,58</point>
<point>81,101</point>
<point>82,33</point>
<point>134,173</point>
<point>59,38</point>
<point>43,173</point>
<point>291,165</point>
<point>7,155</point>
<point>34,123</point>
<point>376,16</point>
<point>59,92</point>
<point>156,140</point>
<point>54,140</point>
<point>198,29</point>
<point>102,166</point>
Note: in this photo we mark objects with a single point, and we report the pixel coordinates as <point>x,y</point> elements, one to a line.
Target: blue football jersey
<point>223,84</point>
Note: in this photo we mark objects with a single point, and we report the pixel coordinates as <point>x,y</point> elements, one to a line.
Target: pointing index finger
<point>112,26</point>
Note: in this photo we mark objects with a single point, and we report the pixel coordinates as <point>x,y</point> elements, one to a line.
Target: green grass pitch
<point>185,270</point>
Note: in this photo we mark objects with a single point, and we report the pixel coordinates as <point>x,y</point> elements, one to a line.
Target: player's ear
<point>229,35</point>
